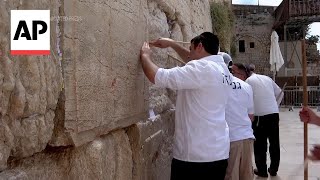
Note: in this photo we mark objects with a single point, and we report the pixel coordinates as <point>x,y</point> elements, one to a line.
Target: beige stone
<point>105,87</point>
<point>151,143</point>
<point>159,100</point>
<point>104,91</point>
<point>60,137</point>
<point>254,25</point>
<point>32,134</point>
<point>29,88</point>
<point>104,84</point>
<point>6,144</point>
<point>107,158</point>
<point>14,175</point>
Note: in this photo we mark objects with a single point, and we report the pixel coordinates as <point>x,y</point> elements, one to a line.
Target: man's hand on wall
<point>145,51</point>
<point>149,68</point>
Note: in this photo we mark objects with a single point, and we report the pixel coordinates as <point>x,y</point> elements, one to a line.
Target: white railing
<point>293,96</point>
<point>311,71</point>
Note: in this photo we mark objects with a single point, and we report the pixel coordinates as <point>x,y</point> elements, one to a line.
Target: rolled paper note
<point>152,115</point>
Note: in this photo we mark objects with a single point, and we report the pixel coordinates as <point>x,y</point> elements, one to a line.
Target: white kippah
<point>226,57</point>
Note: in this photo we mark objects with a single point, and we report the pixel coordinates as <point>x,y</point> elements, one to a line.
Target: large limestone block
<point>105,87</point>
<point>29,89</point>
<point>151,143</point>
<point>106,158</point>
<point>14,175</point>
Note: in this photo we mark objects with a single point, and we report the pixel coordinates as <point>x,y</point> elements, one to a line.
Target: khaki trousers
<point>240,160</point>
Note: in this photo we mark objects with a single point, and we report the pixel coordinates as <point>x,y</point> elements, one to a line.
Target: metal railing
<point>304,8</point>
<point>294,9</point>
<point>293,96</point>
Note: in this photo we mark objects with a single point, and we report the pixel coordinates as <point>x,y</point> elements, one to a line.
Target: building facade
<point>252,40</point>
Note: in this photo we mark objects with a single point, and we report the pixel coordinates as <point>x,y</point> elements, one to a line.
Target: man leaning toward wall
<point>201,137</point>
<point>239,116</point>
<point>265,126</point>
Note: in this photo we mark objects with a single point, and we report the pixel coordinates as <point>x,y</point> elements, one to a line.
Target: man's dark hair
<point>243,68</point>
<point>209,41</point>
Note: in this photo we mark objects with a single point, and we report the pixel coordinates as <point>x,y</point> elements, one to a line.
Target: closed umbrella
<point>276,59</point>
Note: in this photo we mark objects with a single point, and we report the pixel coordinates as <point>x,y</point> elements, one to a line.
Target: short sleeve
<point>191,76</point>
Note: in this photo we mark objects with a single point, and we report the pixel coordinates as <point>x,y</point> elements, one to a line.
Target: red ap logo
<point>30,32</point>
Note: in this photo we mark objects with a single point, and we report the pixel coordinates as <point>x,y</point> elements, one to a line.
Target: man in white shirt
<point>266,123</point>
<point>201,137</point>
<point>239,116</point>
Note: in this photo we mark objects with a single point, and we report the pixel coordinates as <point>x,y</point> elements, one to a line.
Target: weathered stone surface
<point>107,158</point>
<point>6,144</point>
<point>14,175</point>
<point>151,141</point>
<point>104,90</point>
<point>159,100</point>
<point>29,88</point>
<point>104,84</point>
<point>151,144</point>
<point>60,137</point>
<point>254,25</point>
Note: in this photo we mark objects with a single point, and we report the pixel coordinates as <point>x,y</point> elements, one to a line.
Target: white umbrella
<point>276,59</point>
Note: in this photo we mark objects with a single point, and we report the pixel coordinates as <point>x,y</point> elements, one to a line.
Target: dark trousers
<point>266,128</point>
<point>181,170</point>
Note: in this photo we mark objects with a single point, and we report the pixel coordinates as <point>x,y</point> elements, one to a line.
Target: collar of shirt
<point>215,58</point>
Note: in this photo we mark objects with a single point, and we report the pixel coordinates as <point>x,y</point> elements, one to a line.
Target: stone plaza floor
<point>291,144</point>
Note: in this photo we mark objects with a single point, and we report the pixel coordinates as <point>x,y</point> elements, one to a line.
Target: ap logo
<point>30,32</point>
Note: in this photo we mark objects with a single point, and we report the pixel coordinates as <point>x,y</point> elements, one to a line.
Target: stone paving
<point>291,142</point>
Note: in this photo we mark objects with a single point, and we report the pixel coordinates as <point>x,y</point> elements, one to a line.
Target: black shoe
<point>272,173</point>
<point>256,172</point>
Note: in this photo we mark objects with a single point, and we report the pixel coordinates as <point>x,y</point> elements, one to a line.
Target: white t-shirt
<point>265,91</point>
<point>201,132</point>
<point>240,104</point>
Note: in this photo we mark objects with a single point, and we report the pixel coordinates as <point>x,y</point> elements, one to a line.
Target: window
<point>251,44</point>
<point>242,47</point>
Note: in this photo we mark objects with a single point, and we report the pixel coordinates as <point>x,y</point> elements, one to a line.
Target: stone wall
<point>29,90</point>
<point>254,25</point>
<point>83,111</point>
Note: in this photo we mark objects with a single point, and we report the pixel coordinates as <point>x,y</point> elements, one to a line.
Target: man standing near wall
<point>239,116</point>
<point>266,123</point>
<point>201,137</point>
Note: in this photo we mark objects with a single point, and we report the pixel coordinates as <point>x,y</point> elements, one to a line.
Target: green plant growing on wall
<point>233,47</point>
<point>222,23</point>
